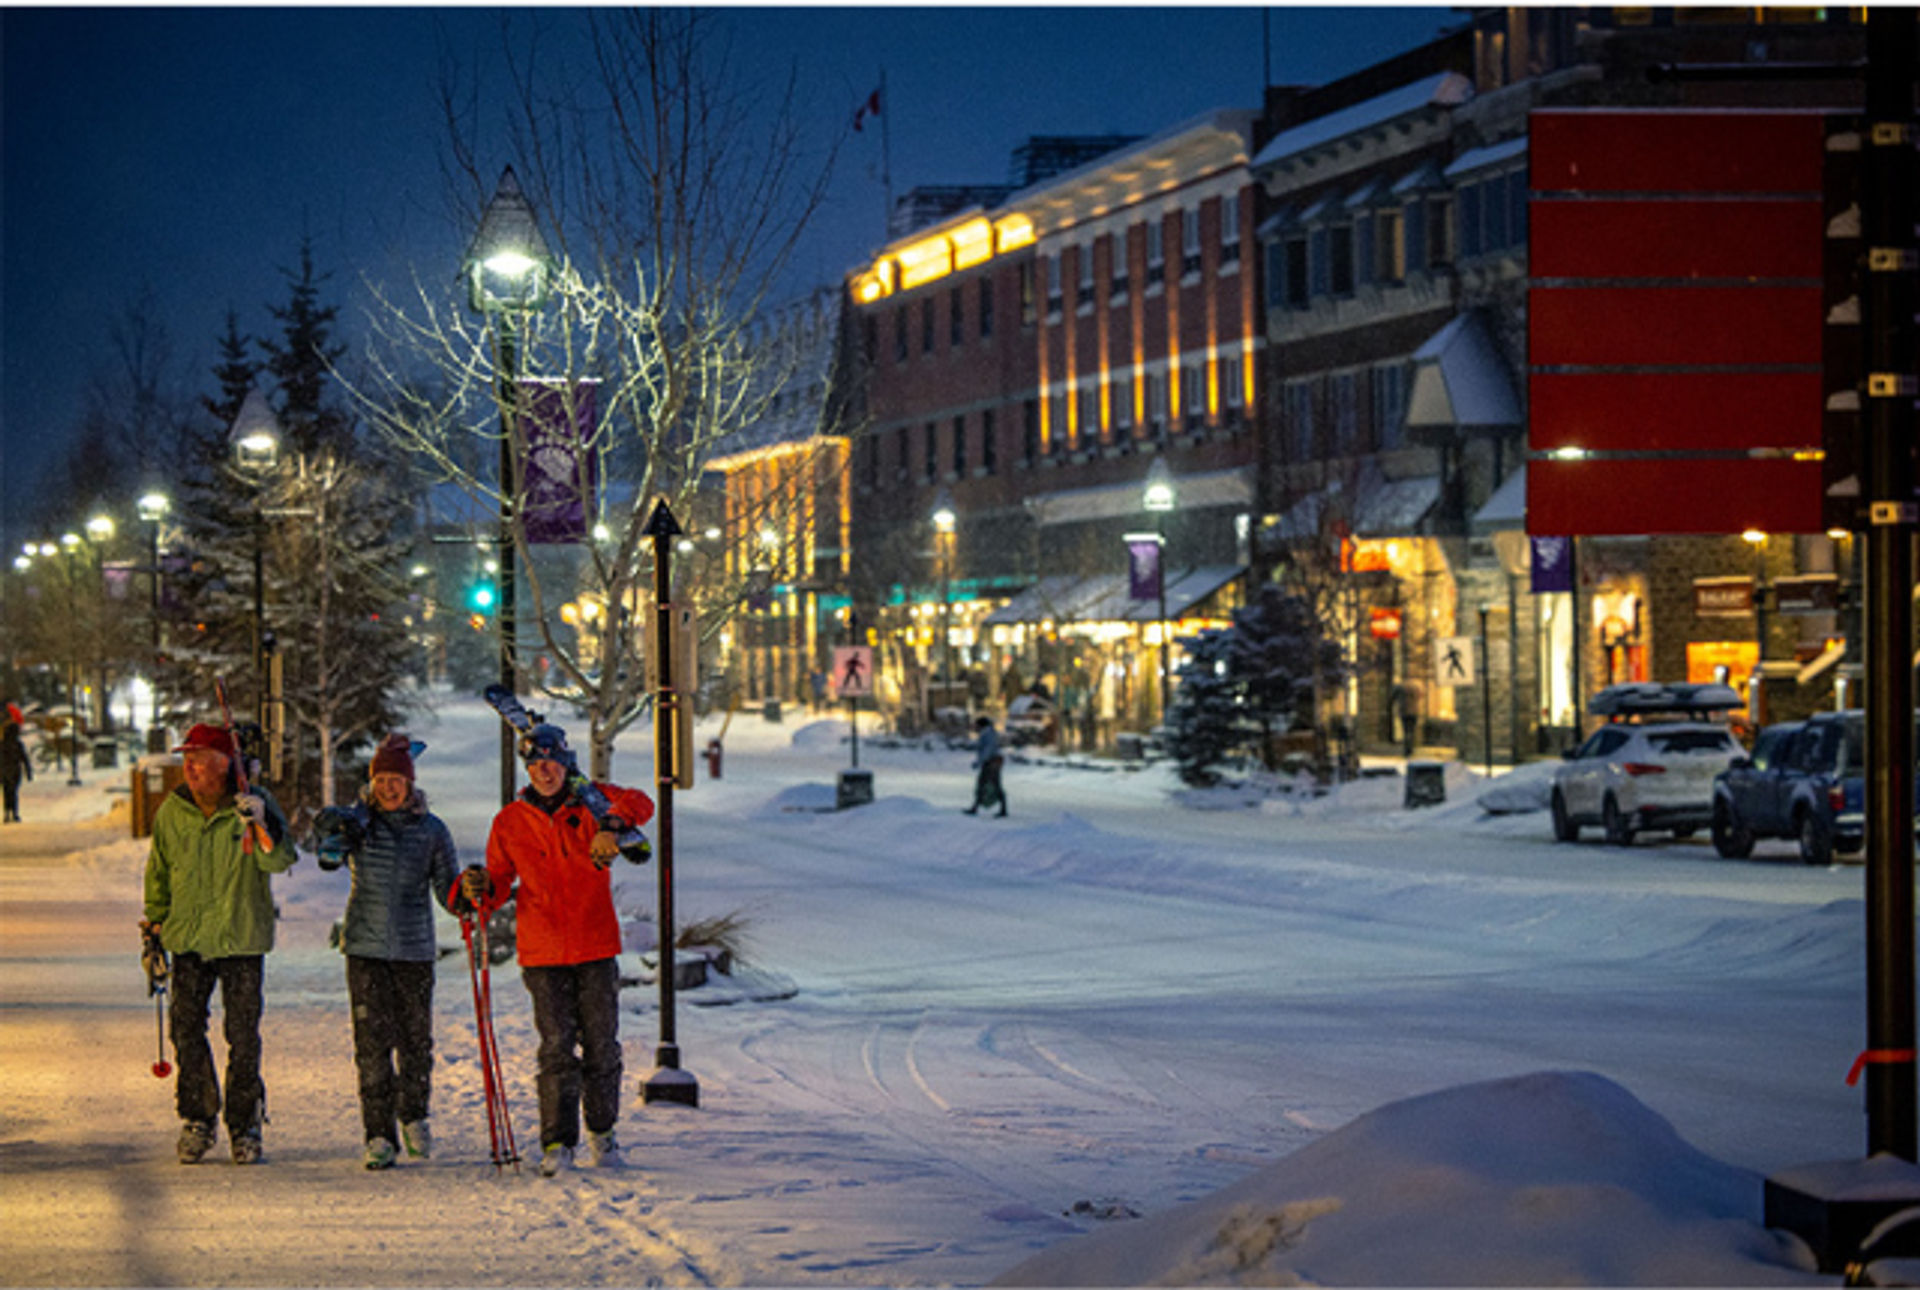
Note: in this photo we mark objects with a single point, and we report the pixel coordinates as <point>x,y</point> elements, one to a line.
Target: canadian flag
<point>870,108</point>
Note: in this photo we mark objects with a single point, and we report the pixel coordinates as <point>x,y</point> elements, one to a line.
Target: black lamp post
<point>944,521</point>
<point>69,543</point>
<point>508,273</point>
<point>1160,498</point>
<point>100,529</point>
<point>152,508</point>
<point>255,443</point>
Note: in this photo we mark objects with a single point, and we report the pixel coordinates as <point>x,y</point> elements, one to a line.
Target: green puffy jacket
<point>207,897</point>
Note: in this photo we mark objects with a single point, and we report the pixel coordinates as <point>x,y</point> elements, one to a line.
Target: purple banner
<point>558,420</point>
<point>1552,564</point>
<point>1143,567</point>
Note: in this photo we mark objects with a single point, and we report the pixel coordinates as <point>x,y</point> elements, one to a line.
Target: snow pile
<point>1545,1179</point>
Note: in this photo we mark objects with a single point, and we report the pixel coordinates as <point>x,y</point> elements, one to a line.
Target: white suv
<point>1634,774</point>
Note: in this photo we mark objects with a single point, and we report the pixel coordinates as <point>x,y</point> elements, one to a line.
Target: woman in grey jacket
<point>402,857</point>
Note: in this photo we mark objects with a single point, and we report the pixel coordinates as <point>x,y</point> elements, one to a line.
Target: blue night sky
<point>187,150</point>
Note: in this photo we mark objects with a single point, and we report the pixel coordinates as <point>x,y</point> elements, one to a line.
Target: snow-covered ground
<point>1129,1035</point>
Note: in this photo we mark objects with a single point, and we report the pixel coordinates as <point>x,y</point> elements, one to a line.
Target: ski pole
<point>479,1022</point>
<point>493,1051</point>
<point>153,958</point>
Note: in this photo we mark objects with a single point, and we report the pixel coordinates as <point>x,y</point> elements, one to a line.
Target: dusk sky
<point>187,150</point>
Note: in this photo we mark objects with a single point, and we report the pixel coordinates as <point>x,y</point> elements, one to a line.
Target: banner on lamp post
<point>557,422</point>
<point>1143,566</point>
<point>1552,564</point>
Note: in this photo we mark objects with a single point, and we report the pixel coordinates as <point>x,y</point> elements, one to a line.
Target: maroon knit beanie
<point>394,756</point>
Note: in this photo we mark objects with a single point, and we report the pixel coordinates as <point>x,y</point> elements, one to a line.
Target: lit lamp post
<point>255,443</point>
<point>153,508</point>
<point>1758,541</point>
<point>100,530</point>
<point>508,272</point>
<point>944,520</point>
<point>1160,498</point>
<point>69,543</point>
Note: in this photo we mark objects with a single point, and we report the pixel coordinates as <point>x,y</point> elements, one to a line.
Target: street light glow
<point>153,507</point>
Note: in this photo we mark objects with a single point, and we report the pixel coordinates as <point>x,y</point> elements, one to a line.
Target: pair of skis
<point>503,701</point>
<point>473,928</point>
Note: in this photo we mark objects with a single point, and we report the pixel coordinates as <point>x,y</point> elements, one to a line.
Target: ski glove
<point>251,810</point>
<point>475,885</point>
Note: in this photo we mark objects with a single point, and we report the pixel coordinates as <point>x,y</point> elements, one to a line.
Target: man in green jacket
<point>209,899</point>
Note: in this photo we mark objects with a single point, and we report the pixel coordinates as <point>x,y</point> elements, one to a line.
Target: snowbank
<point>1546,1179</point>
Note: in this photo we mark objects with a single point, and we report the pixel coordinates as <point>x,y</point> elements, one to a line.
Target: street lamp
<point>944,520</point>
<point>508,273</point>
<point>100,529</point>
<point>255,442</point>
<point>1158,498</point>
<point>1758,541</point>
<point>152,508</point>
<point>69,543</point>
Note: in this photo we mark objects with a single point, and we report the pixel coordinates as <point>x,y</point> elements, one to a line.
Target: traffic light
<point>480,597</point>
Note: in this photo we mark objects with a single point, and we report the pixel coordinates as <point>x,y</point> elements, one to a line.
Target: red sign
<point>1675,321</point>
<point>1385,625</point>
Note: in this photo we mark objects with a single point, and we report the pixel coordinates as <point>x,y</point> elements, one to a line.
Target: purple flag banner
<point>557,421</point>
<point>1552,564</point>
<point>1143,567</point>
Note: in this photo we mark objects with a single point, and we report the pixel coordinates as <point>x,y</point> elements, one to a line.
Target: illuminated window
<point>1054,296</point>
<point>1392,246</point>
<point>1026,295</point>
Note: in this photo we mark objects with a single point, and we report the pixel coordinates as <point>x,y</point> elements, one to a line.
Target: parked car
<point>1652,766</point>
<point>1811,787</point>
<point>1031,719</point>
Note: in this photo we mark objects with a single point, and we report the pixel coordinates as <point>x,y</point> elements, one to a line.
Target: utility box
<point>106,752</point>
<point>1841,1209</point>
<point>855,788</point>
<point>153,778</point>
<point>1426,784</point>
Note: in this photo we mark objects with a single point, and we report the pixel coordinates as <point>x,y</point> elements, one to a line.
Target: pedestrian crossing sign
<point>853,671</point>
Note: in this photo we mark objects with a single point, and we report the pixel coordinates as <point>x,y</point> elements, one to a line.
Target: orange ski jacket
<point>566,913</point>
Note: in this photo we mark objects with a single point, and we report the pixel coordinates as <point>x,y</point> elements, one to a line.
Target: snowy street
<point>1005,1032</point>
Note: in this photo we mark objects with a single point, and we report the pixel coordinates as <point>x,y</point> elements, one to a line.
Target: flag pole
<point>886,156</point>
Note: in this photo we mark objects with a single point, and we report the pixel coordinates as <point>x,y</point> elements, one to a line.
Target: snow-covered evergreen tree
<point>1206,722</point>
<point>1279,655</point>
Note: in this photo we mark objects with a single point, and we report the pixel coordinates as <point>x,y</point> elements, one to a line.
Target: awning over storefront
<point>1460,381</point>
<point>1507,508</point>
<point>1373,507</point>
<point>1113,501</point>
<point>1105,599</point>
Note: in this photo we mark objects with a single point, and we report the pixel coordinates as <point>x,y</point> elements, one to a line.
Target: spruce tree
<point>1206,723</point>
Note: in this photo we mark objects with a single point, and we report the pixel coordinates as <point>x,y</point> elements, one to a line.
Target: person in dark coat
<point>14,762</point>
<point>402,859</point>
<point>987,761</point>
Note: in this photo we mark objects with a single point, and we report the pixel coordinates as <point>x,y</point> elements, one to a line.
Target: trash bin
<point>713,759</point>
<point>1131,745</point>
<point>1426,784</point>
<point>771,711</point>
<point>855,788</point>
<point>106,752</point>
<point>156,739</point>
<point>153,778</point>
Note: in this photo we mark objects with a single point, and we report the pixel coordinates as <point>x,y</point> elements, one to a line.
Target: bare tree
<point>672,194</point>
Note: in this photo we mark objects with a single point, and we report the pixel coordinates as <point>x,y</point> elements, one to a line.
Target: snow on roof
<point>1448,89</point>
<point>1507,508</point>
<point>1491,155</point>
<point>1460,379</point>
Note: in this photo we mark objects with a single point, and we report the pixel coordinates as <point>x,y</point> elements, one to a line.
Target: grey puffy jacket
<point>400,860</point>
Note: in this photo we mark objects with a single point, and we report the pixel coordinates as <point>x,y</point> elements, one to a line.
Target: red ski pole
<point>492,1043</point>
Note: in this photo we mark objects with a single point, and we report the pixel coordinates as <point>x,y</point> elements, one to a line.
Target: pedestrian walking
<point>209,902</point>
<point>402,859</point>
<point>987,762</point>
<point>14,762</point>
<point>547,850</point>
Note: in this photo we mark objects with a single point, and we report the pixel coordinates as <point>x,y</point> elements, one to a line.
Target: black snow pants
<point>577,1011</point>
<point>392,1041</point>
<point>196,1093</point>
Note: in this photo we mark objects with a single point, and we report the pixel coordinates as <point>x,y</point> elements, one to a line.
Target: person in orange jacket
<point>548,851</point>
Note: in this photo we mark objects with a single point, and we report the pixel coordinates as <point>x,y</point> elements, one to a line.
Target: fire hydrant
<point>713,759</point>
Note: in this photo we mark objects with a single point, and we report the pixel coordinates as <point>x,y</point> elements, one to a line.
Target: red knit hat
<point>209,738</point>
<point>394,756</point>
